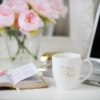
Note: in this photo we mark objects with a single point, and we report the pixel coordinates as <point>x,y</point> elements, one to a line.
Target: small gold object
<point>45,60</point>
<point>47,56</point>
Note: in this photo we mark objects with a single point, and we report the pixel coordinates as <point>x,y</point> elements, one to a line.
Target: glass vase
<point>19,50</point>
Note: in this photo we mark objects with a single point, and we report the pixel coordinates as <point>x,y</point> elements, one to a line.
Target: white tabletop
<point>83,92</point>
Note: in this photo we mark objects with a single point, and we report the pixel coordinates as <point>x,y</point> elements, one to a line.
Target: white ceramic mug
<point>67,70</point>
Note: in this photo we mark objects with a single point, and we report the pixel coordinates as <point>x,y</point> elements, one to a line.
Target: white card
<point>23,72</point>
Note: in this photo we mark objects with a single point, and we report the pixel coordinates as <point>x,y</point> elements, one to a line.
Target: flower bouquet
<point>23,19</point>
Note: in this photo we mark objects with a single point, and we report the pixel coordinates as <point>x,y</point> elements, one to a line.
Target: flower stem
<point>22,46</point>
<point>35,57</point>
<point>20,38</point>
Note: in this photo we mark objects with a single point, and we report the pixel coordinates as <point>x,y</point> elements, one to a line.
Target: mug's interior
<point>67,55</point>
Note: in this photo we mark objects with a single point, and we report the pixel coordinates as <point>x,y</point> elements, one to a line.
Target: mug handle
<point>90,71</point>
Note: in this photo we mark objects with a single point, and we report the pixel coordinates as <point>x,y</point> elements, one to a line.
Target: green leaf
<point>12,32</point>
<point>34,33</point>
<point>47,20</point>
<point>2,31</point>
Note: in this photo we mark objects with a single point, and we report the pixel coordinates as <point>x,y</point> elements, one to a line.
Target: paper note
<point>23,72</point>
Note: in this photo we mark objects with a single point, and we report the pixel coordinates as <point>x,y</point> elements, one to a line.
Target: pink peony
<point>3,73</point>
<point>6,16</point>
<point>17,6</point>
<point>43,8</point>
<point>29,21</point>
<point>58,5</point>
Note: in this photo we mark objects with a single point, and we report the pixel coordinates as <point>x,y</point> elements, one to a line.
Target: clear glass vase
<point>19,49</point>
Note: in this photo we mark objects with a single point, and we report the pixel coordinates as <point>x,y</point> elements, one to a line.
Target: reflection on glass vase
<point>20,49</point>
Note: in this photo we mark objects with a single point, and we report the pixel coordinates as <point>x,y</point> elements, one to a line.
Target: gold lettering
<point>67,71</point>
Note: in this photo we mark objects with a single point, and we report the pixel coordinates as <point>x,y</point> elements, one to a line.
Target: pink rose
<point>43,8</point>
<point>29,21</point>
<point>3,73</point>
<point>17,6</point>
<point>58,5</point>
<point>6,16</point>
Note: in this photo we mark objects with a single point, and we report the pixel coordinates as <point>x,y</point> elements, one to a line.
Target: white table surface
<point>83,92</point>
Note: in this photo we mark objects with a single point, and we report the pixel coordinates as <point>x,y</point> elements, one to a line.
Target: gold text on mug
<point>67,71</point>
